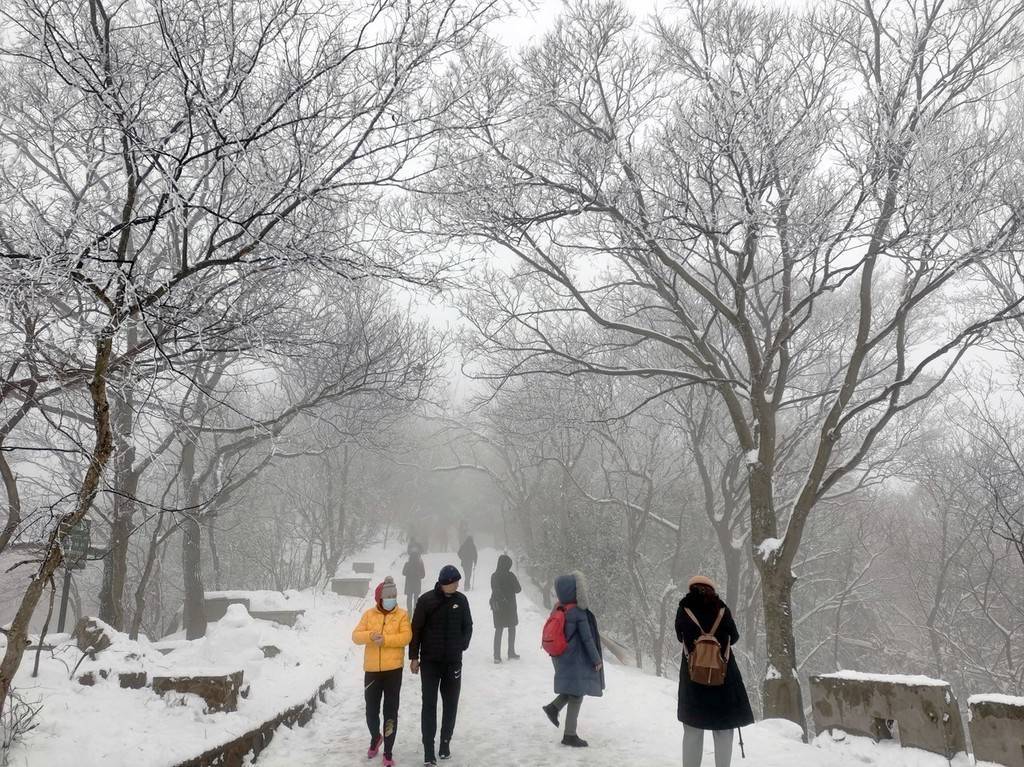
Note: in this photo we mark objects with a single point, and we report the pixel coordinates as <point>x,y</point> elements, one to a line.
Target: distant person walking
<point>441,630</point>
<point>576,655</point>
<point>504,587</point>
<point>414,573</point>
<point>385,631</point>
<point>711,691</point>
<point>467,556</point>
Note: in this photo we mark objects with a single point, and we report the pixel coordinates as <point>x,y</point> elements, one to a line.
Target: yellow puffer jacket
<point>397,633</point>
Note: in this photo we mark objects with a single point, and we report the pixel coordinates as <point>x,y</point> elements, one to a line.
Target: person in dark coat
<point>579,670</point>
<point>441,630</point>
<point>467,556</point>
<point>720,709</point>
<point>414,573</point>
<point>504,587</point>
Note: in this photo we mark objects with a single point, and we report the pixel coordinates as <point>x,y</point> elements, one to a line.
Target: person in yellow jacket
<point>385,631</point>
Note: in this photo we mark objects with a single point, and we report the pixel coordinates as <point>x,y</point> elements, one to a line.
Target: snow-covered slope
<point>500,723</point>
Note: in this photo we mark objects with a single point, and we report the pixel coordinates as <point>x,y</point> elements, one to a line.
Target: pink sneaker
<point>388,761</point>
<point>374,748</point>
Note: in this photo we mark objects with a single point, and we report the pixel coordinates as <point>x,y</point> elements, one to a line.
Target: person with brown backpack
<point>712,695</point>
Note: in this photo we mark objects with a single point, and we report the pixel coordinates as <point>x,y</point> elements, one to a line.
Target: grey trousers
<point>571,703</point>
<point>511,642</point>
<point>693,746</point>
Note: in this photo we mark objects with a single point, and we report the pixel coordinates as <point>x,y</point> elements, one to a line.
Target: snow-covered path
<point>500,723</point>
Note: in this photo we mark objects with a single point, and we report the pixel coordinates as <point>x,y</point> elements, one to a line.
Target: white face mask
<point>389,604</point>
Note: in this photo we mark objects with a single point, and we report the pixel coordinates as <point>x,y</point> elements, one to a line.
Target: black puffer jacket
<point>700,706</point>
<point>441,627</point>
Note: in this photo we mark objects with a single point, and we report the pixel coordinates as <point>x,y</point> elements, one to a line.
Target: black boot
<point>444,752</point>
<point>574,740</point>
<point>428,756</point>
<point>552,714</point>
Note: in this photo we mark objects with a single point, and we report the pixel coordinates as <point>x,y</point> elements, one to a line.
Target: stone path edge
<point>234,752</point>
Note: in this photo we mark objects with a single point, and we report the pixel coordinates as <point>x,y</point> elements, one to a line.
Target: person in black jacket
<point>467,556</point>
<point>414,573</point>
<point>441,629</point>
<point>720,709</point>
<point>504,587</point>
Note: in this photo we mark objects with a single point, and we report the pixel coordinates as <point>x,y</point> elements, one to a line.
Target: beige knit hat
<point>702,580</point>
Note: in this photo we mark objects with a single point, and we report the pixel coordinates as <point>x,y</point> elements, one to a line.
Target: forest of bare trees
<point>734,290</point>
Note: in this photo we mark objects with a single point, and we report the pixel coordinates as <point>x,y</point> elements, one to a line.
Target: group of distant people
<point>712,695</point>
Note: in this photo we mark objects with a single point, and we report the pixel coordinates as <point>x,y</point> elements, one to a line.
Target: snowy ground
<point>105,725</point>
<point>501,725</point>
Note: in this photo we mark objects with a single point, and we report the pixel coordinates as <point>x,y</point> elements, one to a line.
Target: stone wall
<point>997,729</point>
<point>919,715</point>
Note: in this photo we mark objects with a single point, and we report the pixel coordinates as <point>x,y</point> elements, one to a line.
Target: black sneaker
<point>444,753</point>
<point>575,741</point>
<point>497,660</point>
<point>428,757</point>
<point>552,714</point>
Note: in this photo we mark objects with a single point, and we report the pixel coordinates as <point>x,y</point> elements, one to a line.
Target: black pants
<point>447,677</point>
<point>386,685</point>
<point>511,642</point>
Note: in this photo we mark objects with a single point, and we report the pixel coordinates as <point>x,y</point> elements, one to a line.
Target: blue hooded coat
<point>574,669</point>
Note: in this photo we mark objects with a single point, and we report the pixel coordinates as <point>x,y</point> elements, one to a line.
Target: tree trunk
<point>782,697</point>
<point>193,611</point>
<point>17,637</point>
<point>733,566</point>
<point>781,694</point>
<point>13,503</point>
<point>147,571</point>
<point>126,488</point>
<point>210,522</point>
<point>115,570</point>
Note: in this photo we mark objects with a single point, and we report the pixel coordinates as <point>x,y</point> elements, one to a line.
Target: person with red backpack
<point>572,640</point>
<point>712,695</point>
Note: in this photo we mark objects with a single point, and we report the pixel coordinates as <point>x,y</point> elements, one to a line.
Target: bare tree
<point>161,156</point>
<point>783,207</point>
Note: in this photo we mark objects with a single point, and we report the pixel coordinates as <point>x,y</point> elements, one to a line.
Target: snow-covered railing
<point>997,729</point>
<point>916,711</point>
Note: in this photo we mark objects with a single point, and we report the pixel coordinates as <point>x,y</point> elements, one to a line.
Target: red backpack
<point>553,637</point>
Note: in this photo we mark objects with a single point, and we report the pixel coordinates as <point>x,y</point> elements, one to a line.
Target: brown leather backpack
<point>707,662</point>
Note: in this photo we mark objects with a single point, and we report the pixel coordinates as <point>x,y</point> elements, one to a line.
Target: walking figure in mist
<point>441,629</point>
<point>467,556</point>
<point>385,631</point>
<point>414,573</point>
<point>575,653</point>
<point>504,587</point>
<point>711,691</point>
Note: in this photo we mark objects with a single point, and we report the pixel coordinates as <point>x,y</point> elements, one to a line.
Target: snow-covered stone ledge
<point>236,752</point>
<point>918,712</point>
<point>997,728</point>
<point>286,670</point>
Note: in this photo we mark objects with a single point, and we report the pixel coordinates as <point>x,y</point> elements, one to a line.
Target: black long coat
<point>711,708</point>
<point>504,587</point>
